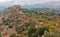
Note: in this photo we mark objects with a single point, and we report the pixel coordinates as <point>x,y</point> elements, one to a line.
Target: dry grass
<point>52,34</point>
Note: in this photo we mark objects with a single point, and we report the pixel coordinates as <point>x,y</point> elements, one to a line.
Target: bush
<point>18,29</point>
<point>32,32</point>
<point>27,24</point>
<point>10,26</point>
<point>0,34</point>
<point>13,35</point>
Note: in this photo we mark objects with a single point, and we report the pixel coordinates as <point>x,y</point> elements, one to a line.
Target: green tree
<point>40,31</point>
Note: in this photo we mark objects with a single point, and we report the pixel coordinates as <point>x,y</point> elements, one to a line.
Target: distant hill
<point>2,8</point>
<point>53,5</point>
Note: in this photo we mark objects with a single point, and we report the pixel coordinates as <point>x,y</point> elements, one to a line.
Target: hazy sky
<point>24,2</point>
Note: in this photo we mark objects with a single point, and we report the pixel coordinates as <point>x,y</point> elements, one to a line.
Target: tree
<point>40,31</point>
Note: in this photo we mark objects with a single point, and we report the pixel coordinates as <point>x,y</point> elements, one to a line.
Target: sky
<point>24,2</point>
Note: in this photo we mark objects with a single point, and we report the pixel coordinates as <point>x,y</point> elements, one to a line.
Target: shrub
<point>10,26</point>
<point>18,29</point>
<point>27,24</point>
<point>32,32</point>
<point>13,35</point>
<point>0,34</point>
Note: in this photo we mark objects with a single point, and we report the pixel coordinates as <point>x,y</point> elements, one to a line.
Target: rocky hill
<point>18,22</point>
